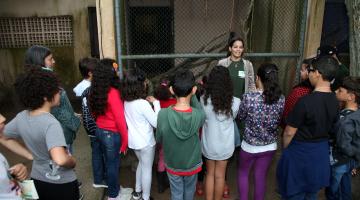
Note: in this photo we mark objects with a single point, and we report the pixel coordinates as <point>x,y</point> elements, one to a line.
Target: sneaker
<point>79,184</point>
<point>100,185</point>
<point>136,195</point>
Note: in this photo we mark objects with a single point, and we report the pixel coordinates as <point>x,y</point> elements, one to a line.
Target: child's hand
<point>19,171</point>
<point>150,99</point>
<point>354,172</point>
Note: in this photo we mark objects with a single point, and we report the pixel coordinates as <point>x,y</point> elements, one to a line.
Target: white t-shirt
<point>5,182</point>
<point>141,119</point>
<point>80,87</point>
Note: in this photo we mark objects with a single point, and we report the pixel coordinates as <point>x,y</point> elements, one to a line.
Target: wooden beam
<point>314,23</point>
<point>106,29</point>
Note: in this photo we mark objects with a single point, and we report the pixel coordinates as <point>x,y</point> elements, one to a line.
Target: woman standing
<point>242,77</point>
<point>218,131</point>
<point>40,56</point>
<point>261,111</point>
<point>108,110</point>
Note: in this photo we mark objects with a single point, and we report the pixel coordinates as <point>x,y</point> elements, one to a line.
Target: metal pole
<point>117,4</point>
<point>302,39</point>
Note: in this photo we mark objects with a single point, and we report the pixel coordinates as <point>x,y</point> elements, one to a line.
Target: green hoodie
<point>178,133</point>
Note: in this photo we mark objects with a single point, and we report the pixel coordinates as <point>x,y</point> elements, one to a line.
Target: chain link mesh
<point>204,26</point>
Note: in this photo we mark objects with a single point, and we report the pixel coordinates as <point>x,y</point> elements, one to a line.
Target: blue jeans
<point>303,196</point>
<point>182,187</point>
<point>340,182</point>
<point>98,160</point>
<point>110,142</point>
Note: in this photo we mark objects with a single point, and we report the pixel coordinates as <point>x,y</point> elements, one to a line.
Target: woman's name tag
<point>241,74</point>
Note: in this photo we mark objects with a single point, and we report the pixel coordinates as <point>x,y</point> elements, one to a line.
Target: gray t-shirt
<point>40,134</point>
<point>6,191</point>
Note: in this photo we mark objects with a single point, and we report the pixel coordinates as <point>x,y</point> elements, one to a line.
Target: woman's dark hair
<point>35,55</point>
<point>162,92</point>
<point>104,77</point>
<point>220,90</point>
<point>232,39</point>
<point>34,85</point>
<point>268,74</point>
<point>87,65</point>
<point>134,85</point>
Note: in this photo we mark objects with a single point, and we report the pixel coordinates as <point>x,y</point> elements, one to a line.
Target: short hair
<point>133,85</point>
<point>35,85</point>
<point>352,85</point>
<point>327,67</point>
<point>182,82</point>
<point>87,65</point>
<point>36,54</point>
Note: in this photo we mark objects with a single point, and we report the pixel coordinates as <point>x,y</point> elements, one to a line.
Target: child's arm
<point>14,146</point>
<point>347,138</point>
<point>243,109</point>
<point>194,102</point>
<point>150,114</point>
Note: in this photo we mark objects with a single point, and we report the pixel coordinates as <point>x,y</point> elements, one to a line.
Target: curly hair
<point>104,77</point>
<point>33,86</point>
<point>268,74</point>
<point>162,92</point>
<point>219,88</point>
<point>134,85</point>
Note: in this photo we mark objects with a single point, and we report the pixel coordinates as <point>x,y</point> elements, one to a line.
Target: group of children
<point>118,115</point>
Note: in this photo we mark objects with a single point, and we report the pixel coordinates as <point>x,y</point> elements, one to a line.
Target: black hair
<point>104,77</point>
<point>162,91</point>
<point>182,82</point>
<point>352,85</point>
<point>36,54</point>
<point>201,87</point>
<point>34,85</point>
<point>219,88</point>
<point>134,85</point>
<point>327,67</point>
<point>268,74</point>
<point>87,65</point>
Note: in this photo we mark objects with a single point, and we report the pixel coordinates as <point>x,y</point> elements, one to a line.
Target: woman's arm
<point>289,133</point>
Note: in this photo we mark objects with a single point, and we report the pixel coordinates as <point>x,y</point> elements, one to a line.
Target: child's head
<point>36,87</point>
<point>182,83</point>
<point>323,69</point>
<point>87,66</point>
<point>103,78</point>
<point>349,91</point>
<point>304,74</point>
<point>219,88</point>
<point>134,86</point>
<point>38,55</point>
<point>162,92</point>
<point>2,123</point>
<point>267,75</point>
<point>201,87</point>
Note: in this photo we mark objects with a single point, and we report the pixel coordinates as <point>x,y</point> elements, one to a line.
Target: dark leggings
<point>47,191</point>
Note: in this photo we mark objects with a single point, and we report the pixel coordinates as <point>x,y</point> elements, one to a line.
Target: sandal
<point>226,193</point>
<point>199,189</point>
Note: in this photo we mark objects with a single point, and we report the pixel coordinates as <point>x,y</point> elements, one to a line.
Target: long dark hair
<point>268,74</point>
<point>104,77</point>
<point>134,85</point>
<point>220,90</point>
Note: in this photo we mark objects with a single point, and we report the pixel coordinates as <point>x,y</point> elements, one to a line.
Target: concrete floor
<point>127,176</point>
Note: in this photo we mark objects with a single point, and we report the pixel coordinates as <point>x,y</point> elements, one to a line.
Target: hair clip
<point>164,84</point>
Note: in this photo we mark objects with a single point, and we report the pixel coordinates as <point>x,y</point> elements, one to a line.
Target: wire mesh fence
<point>173,32</point>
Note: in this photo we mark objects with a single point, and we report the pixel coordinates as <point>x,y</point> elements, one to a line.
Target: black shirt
<point>313,116</point>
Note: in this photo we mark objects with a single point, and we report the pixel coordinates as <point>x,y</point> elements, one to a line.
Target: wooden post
<point>106,29</point>
<point>315,18</point>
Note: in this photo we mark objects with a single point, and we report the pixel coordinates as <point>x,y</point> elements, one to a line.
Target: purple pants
<point>261,163</point>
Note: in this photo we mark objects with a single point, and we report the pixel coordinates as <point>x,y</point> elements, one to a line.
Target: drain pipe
<point>117,12</point>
